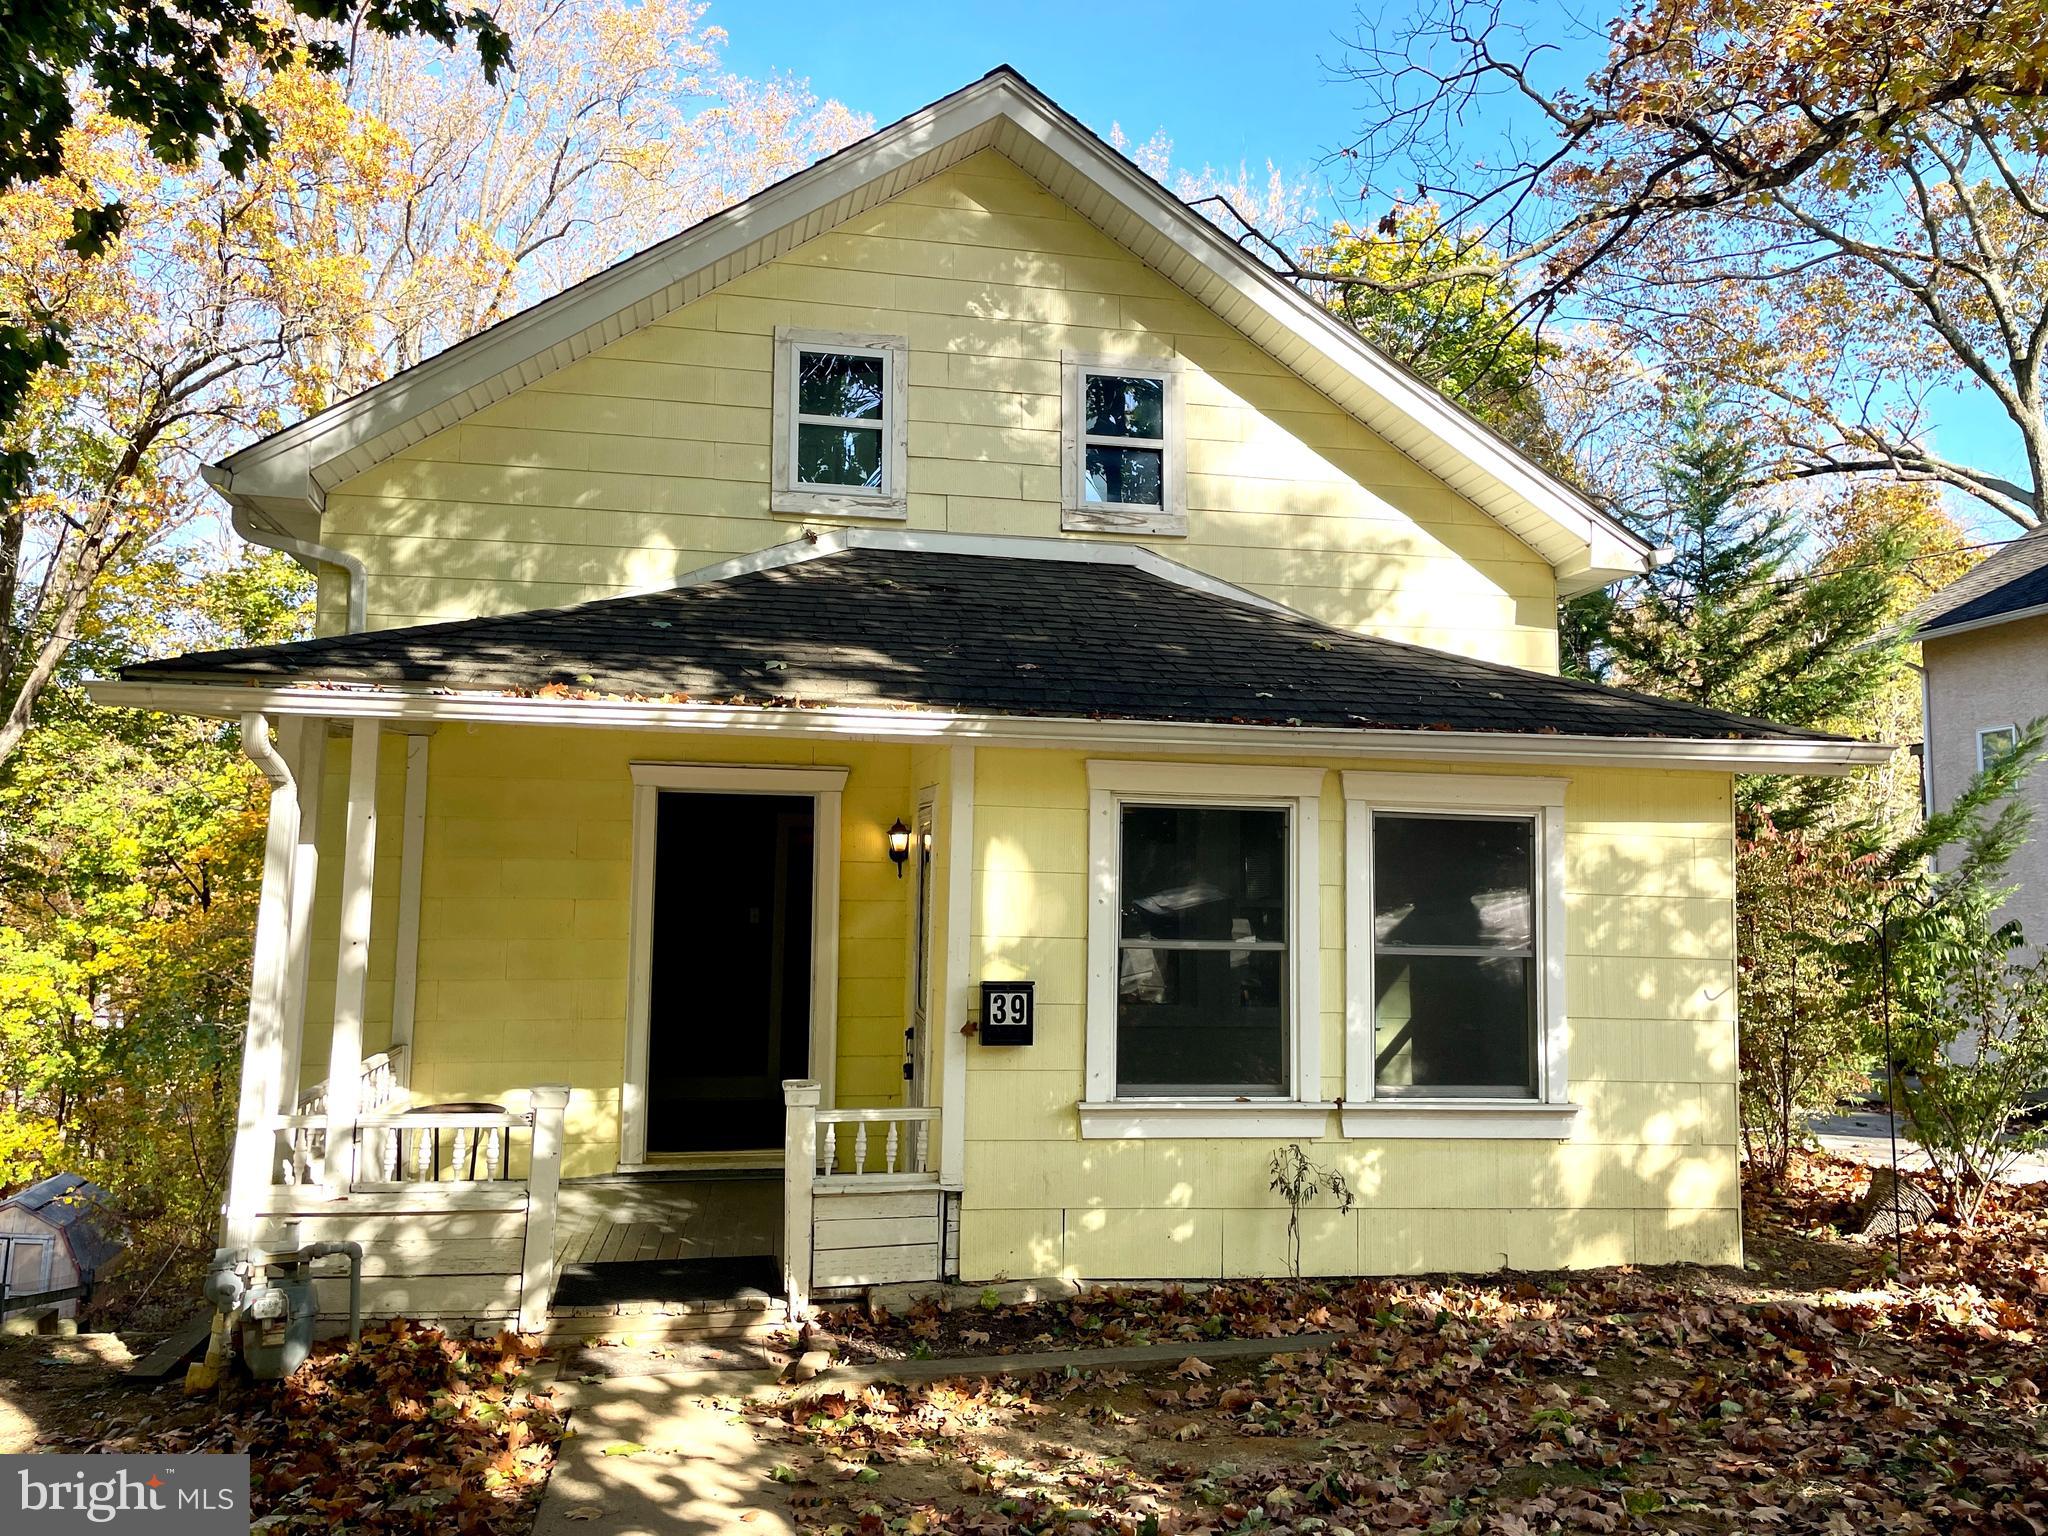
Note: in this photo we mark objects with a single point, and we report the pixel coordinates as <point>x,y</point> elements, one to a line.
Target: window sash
<point>800,418</point>
<point>1156,445</point>
<point>1223,1092</point>
<point>1394,951</point>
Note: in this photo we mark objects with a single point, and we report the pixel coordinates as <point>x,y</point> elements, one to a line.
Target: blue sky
<point>1228,83</point>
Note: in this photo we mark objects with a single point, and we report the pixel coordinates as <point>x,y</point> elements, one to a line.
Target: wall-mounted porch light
<point>899,846</point>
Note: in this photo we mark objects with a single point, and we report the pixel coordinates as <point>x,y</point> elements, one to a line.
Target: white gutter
<point>313,556</point>
<point>1727,755</point>
<point>1940,631</point>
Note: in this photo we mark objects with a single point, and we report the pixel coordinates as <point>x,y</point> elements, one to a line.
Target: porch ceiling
<point>872,626</point>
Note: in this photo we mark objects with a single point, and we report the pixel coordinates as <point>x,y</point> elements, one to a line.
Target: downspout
<point>264,531</point>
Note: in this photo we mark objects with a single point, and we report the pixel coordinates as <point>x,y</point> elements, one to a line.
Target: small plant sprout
<point>1298,1180</point>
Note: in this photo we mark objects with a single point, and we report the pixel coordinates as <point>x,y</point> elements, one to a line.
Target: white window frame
<point>1298,791</point>
<point>1368,1114</point>
<point>1984,762</point>
<point>826,788</point>
<point>787,493</point>
<point>1077,513</point>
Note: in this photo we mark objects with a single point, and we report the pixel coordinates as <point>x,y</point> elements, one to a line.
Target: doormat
<point>650,1280</point>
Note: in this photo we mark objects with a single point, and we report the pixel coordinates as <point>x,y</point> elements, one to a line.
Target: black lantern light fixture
<point>899,845</point>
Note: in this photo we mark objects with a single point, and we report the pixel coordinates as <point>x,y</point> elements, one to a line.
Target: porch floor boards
<point>629,1219</point>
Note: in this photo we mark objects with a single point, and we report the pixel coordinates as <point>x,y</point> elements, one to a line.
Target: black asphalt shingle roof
<point>972,633</point>
<point>2011,580</point>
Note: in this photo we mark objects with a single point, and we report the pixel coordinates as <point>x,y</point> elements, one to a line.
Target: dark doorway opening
<point>730,994</point>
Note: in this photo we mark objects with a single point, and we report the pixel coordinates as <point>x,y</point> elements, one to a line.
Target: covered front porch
<point>540,1002</point>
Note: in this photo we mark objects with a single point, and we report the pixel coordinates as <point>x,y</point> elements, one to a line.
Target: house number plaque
<point>1007,1012</point>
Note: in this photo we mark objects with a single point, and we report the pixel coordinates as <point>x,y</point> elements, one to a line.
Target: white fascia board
<point>227,701</point>
<point>1943,631</point>
<point>287,464</point>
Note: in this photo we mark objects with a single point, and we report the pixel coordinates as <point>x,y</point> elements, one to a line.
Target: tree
<point>130,863</point>
<point>1741,618</point>
<point>404,202</point>
<point>1959,1005</point>
<point>1802,1047</point>
<point>1821,213</point>
<point>179,73</point>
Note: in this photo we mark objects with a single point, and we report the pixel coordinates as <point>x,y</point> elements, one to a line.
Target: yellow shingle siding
<point>650,459</point>
<point>1648,1174</point>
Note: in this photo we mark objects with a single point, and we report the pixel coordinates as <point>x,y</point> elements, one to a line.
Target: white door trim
<point>825,787</point>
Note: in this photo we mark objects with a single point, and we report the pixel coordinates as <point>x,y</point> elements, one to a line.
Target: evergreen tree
<point>1745,616</point>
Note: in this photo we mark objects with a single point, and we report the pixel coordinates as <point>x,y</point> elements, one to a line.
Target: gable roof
<point>2011,583</point>
<point>285,477</point>
<point>923,623</point>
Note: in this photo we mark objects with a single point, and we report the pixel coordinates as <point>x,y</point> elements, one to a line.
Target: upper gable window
<point>841,443</point>
<point>1122,446</point>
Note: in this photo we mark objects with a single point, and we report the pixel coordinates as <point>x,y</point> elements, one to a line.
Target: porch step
<point>751,1315</point>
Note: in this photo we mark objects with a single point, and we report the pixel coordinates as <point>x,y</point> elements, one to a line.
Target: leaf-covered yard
<point>1806,1395</point>
<point>415,1432</point>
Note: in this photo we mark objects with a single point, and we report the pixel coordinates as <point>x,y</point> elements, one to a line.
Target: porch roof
<point>850,624</point>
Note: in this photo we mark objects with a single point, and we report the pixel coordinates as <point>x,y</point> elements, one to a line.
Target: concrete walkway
<point>655,1456</point>
<point>1865,1138</point>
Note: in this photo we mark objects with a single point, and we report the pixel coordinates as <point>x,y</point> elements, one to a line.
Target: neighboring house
<point>1984,655</point>
<point>950,683</point>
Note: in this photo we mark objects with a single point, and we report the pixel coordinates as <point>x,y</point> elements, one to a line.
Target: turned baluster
<point>889,1150</point>
<point>828,1148</point>
<point>860,1146</point>
<point>922,1137</point>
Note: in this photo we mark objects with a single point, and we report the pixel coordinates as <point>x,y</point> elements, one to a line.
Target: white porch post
<point>310,767</point>
<point>263,1047</point>
<point>799,1167</point>
<point>543,1186</point>
<point>412,849</point>
<point>958,809</point>
<point>352,969</point>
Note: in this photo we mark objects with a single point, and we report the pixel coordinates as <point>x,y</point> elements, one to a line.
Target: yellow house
<point>948,706</point>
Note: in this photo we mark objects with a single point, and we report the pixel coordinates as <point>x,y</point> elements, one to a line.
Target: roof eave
<point>1941,631</point>
<point>219,700</point>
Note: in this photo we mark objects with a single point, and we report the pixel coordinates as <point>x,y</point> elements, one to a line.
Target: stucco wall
<point>650,459</point>
<point>1980,679</point>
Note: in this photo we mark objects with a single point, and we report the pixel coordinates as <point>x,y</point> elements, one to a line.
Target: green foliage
<point>1743,618</point>
<point>130,860</point>
<point>1963,1002</point>
<point>1801,1047</point>
<point>180,72</point>
<point>1464,335</point>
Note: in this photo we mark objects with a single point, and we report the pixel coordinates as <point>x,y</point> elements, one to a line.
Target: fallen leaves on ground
<point>1617,1400</point>
<point>414,1431</point>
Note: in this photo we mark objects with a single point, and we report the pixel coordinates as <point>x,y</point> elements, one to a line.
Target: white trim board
<point>826,787</point>
<point>288,473</point>
<point>1193,738</point>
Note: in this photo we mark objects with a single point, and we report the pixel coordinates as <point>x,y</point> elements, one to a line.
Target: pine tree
<point>1745,616</point>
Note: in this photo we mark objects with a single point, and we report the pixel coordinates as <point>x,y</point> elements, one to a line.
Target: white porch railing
<point>863,1173</point>
<point>306,1138</point>
<point>865,1146</point>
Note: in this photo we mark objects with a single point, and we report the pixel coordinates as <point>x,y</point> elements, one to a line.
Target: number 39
<point>1006,1007</point>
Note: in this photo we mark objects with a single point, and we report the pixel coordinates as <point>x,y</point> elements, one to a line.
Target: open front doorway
<point>735,920</point>
<point>730,984</point>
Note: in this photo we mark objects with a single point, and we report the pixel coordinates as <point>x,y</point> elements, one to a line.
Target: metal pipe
<point>245,523</point>
<point>353,1252</point>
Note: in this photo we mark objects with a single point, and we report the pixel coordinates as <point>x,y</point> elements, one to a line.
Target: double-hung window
<point>1123,446</point>
<point>1455,938</point>
<point>1203,936</point>
<point>839,422</point>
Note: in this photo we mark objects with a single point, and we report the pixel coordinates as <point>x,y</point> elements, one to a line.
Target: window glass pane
<point>834,384</point>
<point>1191,872</point>
<point>1453,880</point>
<point>1118,407</point>
<point>839,456</point>
<point>1201,1021</point>
<point>1452,1024</point>
<point>1994,744</point>
<point>1125,476</point>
